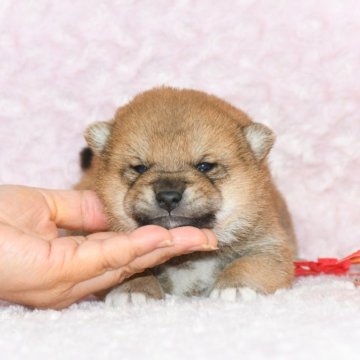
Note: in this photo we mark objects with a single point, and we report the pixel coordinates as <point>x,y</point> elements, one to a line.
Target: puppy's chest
<point>189,275</point>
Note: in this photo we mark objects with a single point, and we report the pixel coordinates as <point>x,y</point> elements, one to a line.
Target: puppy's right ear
<point>260,138</point>
<point>97,135</point>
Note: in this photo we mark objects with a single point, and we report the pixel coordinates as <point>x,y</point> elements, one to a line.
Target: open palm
<point>39,268</point>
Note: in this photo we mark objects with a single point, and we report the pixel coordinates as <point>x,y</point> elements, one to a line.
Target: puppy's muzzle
<point>170,208</point>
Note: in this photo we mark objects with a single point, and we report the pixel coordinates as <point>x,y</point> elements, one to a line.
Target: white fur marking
<point>228,294</point>
<point>257,141</point>
<point>232,294</point>
<point>118,298</point>
<point>138,298</point>
<point>98,135</point>
<point>247,294</point>
<point>260,139</point>
<point>202,271</point>
<point>215,294</point>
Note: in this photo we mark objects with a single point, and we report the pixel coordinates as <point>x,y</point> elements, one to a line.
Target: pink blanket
<point>293,65</point>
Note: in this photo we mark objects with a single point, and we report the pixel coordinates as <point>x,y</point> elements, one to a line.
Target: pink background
<point>294,65</point>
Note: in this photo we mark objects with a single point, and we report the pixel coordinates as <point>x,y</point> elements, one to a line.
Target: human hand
<point>40,269</point>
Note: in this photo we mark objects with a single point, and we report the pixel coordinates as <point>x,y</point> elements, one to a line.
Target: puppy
<point>184,158</point>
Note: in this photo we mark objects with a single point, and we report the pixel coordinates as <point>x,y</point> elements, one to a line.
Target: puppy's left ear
<point>97,135</point>
<point>260,138</point>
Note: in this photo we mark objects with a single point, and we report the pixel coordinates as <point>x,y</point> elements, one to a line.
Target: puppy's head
<point>180,157</point>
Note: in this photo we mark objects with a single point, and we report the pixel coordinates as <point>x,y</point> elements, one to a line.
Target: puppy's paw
<point>137,290</point>
<point>234,294</point>
<point>117,298</point>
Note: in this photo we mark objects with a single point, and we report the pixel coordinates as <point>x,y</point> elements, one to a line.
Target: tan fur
<point>145,283</point>
<point>260,272</point>
<point>171,131</point>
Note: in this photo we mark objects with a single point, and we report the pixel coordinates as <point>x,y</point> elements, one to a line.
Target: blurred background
<point>293,65</point>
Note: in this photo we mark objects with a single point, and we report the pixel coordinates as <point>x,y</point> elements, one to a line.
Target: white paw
<point>234,294</point>
<point>118,298</point>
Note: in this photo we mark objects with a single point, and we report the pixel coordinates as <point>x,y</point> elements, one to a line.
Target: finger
<point>99,283</point>
<point>75,210</point>
<point>182,245</point>
<point>188,236</point>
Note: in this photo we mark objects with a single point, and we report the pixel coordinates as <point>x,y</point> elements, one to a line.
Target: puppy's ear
<point>260,139</point>
<point>97,135</point>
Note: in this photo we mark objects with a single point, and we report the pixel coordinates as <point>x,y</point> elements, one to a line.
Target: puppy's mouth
<point>170,222</point>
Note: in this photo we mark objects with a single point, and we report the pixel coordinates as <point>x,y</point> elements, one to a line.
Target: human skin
<point>41,269</point>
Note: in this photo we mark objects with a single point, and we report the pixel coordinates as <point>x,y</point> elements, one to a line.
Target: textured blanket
<point>293,65</point>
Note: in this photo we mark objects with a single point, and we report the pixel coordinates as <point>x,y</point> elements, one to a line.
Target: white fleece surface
<point>294,65</point>
<point>318,318</point>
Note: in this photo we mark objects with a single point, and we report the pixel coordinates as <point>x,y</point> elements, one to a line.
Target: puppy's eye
<point>140,169</point>
<point>205,167</point>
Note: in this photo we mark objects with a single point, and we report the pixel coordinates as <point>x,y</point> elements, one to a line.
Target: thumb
<point>75,210</point>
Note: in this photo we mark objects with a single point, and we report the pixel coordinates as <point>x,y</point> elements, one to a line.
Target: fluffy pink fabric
<point>293,65</point>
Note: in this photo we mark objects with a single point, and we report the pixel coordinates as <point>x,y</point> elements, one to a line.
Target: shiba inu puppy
<point>184,158</point>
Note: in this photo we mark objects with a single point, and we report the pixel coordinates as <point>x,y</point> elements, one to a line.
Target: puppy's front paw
<point>251,275</point>
<point>234,294</point>
<point>137,290</point>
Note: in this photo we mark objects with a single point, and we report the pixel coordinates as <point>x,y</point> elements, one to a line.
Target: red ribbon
<point>329,266</point>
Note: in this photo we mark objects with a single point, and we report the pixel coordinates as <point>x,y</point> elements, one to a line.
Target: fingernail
<point>212,241</point>
<point>165,243</point>
<point>204,247</point>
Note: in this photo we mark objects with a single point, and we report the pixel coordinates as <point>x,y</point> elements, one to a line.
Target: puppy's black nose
<point>168,200</point>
